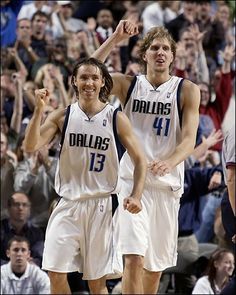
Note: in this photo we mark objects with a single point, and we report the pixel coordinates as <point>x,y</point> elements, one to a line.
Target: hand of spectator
<point>215,180</point>
<point>213,138</point>
<point>12,158</point>
<point>57,76</point>
<point>190,16</point>
<point>133,205</point>
<point>12,52</point>
<point>41,97</point>
<point>159,167</point>
<point>17,80</point>
<point>181,50</point>
<point>196,34</point>
<point>91,24</point>
<point>25,42</point>
<point>82,36</point>
<point>228,54</point>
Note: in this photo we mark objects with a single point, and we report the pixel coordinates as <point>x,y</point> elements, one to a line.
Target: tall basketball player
<point>163,111</point>
<point>82,233</point>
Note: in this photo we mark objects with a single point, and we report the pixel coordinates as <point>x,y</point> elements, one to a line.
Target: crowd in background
<point>41,41</point>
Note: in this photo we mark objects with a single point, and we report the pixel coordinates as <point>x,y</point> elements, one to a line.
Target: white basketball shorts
<point>153,232</point>
<point>83,236</point>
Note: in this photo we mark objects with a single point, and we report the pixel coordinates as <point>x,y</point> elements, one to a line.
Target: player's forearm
<point>181,152</point>
<point>140,171</point>
<point>32,133</point>
<point>200,150</point>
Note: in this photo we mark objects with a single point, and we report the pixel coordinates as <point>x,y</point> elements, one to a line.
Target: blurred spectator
<point>190,56</point>
<point>223,16</point>
<point>35,176</point>
<point>158,13</point>
<point>9,10</point>
<point>7,175</point>
<point>39,24</point>
<point>183,20</point>
<point>113,61</point>
<point>15,104</point>
<point>217,109</point>
<point>19,276</point>
<point>50,77</point>
<point>18,224</point>
<point>23,43</point>
<point>218,273</point>
<point>18,104</point>
<point>28,9</point>
<point>57,55</point>
<point>105,24</point>
<point>214,37</point>
<point>89,8</point>
<point>63,22</point>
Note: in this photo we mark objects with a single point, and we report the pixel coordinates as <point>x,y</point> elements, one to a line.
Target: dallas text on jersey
<point>89,140</point>
<point>151,107</point>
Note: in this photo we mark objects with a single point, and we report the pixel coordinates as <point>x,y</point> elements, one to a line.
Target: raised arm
<point>128,139</point>
<point>18,104</point>
<point>124,30</point>
<point>36,135</point>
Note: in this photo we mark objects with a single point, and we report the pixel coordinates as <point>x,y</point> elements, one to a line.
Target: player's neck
<point>157,79</point>
<point>91,108</point>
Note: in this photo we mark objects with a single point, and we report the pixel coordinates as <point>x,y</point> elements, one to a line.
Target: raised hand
<point>213,138</point>
<point>41,97</point>
<point>126,29</point>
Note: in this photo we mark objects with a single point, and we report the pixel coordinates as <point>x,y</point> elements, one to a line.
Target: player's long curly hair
<point>106,89</point>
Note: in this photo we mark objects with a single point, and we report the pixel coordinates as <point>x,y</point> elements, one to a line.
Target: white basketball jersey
<point>155,116</point>
<point>88,163</point>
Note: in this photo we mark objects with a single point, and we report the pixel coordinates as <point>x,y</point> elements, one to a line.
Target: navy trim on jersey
<point>120,148</point>
<point>178,101</point>
<point>131,87</point>
<point>64,127</point>
<point>115,203</point>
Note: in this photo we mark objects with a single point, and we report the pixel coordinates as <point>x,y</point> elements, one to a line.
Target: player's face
<point>159,55</point>
<point>89,81</point>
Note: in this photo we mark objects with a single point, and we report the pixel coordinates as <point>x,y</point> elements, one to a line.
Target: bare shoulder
<point>189,86</point>
<point>190,92</point>
<point>121,84</point>
<point>122,121</point>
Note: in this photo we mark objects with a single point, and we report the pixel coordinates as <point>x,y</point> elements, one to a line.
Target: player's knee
<point>133,262</point>
<point>97,286</point>
<point>57,278</point>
